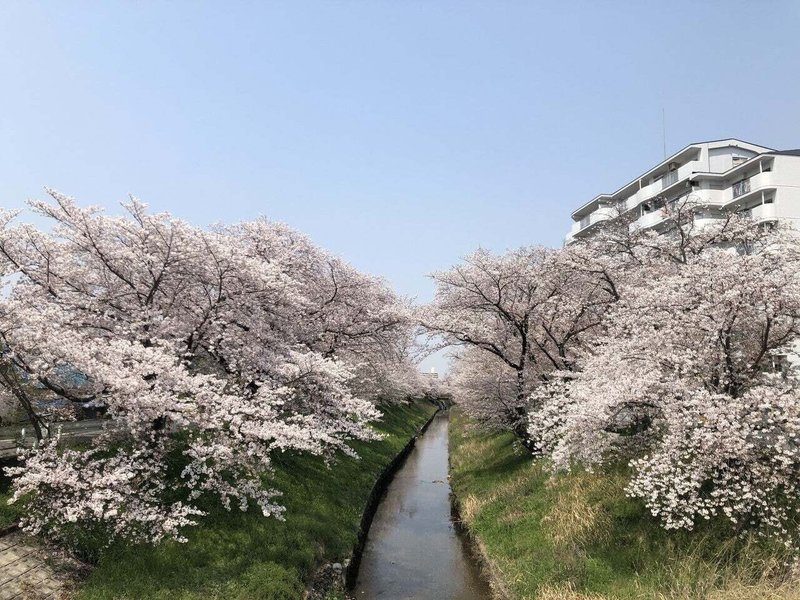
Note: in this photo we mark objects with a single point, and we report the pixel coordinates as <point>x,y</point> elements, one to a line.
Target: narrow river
<point>413,550</point>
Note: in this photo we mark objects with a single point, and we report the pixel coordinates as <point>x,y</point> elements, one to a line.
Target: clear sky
<point>398,134</point>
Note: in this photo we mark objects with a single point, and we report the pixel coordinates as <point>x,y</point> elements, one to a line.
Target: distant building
<point>720,176</point>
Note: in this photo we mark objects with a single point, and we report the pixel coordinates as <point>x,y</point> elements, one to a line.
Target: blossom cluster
<point>673,352</point>
<point>208,350</point>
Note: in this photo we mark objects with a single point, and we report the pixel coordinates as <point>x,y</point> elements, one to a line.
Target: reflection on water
<point>413,550</point>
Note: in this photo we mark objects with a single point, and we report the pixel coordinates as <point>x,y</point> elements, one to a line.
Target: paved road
<point>10,434</point>
<point>24,572</point>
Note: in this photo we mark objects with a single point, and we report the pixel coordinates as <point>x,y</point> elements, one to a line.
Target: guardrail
<point>10,436</point>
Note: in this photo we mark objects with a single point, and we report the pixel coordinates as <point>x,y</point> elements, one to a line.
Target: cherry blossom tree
<point>529,311</point>
<point>689,380</point>
<point>345,313</point>
<point>212,349</point>
<point>673,350</point>
<point>485,388</point>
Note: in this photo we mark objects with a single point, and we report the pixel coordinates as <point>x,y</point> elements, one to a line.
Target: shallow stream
<point>414,550</point>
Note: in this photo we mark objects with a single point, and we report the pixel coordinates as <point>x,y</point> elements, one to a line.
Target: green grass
<point>577,536</point>
<point>9,514</point>
<point>237,555</point>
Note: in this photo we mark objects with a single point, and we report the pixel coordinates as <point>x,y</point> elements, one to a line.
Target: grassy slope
<point>578,537</point>
<point>244,555</point>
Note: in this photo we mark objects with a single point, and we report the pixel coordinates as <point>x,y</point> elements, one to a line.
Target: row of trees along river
<point>670,352</point>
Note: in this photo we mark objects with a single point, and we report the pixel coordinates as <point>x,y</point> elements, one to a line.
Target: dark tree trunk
<point>520,416</point>
<point>11,380</point>
<point>520,430</point>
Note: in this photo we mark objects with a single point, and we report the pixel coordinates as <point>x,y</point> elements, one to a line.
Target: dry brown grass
<point>755,576</point>
<point>566,592</point>
<point>761,591</point>
<point>574,520</point>
<point>469,507</point>
<point>471,453</point>
<point>472,505</point>
<point>510,517</point>
<point>735,590</point>
<point>577,536</point>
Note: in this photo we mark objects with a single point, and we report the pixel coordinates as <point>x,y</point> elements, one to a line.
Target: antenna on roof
<point>664,130</point>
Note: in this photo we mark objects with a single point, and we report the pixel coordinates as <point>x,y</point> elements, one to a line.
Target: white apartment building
<point>721,176</point>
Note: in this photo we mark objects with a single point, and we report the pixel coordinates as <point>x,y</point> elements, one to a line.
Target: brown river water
<point>414,551</point>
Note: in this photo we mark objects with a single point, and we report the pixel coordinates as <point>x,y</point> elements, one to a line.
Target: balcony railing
<point>740,188</point>
<point>651,218</point>
<point>759,212</point>
<point>668,179</point>
<point>600,214</point>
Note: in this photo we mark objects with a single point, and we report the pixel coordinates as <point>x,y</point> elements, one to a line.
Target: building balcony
<point>740,188</point>
<point>650,219</point>
<point>586,223</point>
<point>704,220</point>
<point>668,179</point>
<point>670,182</point>
<point>750,188</point>
<point>636,192</point>
<point>762,212</point>
<point>601,214</point>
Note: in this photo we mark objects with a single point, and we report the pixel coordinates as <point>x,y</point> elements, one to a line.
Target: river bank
<point>578,537</point>
<point>236,555</point>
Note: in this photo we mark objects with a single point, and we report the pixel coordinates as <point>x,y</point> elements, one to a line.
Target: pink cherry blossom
<point>209,349</point>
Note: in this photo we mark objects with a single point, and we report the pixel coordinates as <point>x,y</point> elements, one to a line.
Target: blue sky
<point>400,135</point>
